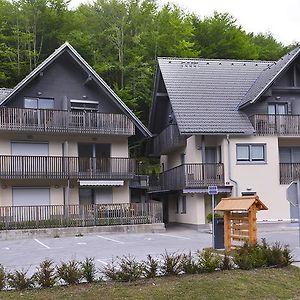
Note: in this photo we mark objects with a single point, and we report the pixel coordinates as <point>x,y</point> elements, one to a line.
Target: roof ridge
<point>215,59</point>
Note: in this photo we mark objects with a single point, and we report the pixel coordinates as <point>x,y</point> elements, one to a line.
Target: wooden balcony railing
<point>284,125</point>
<point>189,176</point>
<point>61,121</point>
<point>57,167</point>
<point>289,172</point>
<point>168,140</point>
<point>47,216</point>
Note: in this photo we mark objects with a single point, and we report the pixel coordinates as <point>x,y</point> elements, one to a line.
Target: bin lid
<point>240,204</point>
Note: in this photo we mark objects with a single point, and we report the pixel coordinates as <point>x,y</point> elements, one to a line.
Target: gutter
<point>229,166</point>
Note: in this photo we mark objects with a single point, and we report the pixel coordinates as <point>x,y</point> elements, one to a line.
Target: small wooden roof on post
<point>240,219</point>
<point>240,204</point>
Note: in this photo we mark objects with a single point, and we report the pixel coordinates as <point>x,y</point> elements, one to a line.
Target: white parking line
<point>112,240</point>
<point>42,243</point>
<point>174,236</point>
<point>102,262</point>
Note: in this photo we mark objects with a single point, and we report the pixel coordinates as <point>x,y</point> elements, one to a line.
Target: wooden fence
<point>54,216</point>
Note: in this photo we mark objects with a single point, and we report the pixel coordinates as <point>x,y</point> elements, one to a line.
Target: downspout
<point>229,166</point>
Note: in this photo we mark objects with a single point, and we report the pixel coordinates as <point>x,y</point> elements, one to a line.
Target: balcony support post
<point>203,149</point>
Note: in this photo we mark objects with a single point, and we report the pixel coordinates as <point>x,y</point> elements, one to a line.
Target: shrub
<point>88,270</point>
<point>2,277</point>
<point>125,269</point>
<point>288,257</point>
<point>189,264</point>
<point>276,255</point>
<point>209,217</point>
<point>226,263</point>
<point>129,269</point>
<point>46,274</point>
<point>260,255</point>
<point>110,271</point>
<point>208,260</point>
<point>70,272</point>
<point>171,264</point>
<point>250,256</point>
<point>150,267</point>
<point>19,280</point>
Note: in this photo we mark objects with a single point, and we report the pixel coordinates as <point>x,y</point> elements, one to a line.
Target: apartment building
<point>230,123</point>
<point>64,137</point>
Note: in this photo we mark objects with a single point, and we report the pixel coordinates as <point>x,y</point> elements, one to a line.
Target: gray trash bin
<point>219,233</point>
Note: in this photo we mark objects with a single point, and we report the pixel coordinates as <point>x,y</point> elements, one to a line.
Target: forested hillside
<point>121,39</point>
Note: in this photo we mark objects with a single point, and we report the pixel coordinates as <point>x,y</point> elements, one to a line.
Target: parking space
<point>28,253</point>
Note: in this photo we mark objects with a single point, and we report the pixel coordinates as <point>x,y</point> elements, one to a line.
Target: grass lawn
<point>256,284</point>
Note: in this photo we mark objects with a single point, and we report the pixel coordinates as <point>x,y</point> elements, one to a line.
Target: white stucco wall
<point>119,148</point>
<point>195,209</point>
<point>74,195</point>
<point>121,194</point>
<point>56,195</point>
<point>5,147</point>
<point>5,195</point>
<point>261,178</point>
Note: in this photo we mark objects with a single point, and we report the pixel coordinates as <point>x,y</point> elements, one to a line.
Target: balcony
<point>169,139</point>
<point>62,121</point>
<point>189,176</point>
<point>139,182</point>
<point>57,167</point>
<point>289,172</point>
<point>280,125</point>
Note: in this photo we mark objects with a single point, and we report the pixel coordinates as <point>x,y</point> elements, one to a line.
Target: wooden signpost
<point>240,220</point>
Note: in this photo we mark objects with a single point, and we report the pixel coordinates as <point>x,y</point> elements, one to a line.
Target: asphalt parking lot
<point>26,254</point>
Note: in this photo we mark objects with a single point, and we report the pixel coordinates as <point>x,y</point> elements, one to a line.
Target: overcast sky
<point>281,18</point>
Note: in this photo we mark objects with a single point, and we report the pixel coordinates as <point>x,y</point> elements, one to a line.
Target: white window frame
<point>250,159</point>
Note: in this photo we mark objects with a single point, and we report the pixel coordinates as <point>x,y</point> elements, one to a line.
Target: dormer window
<point>42,103</point>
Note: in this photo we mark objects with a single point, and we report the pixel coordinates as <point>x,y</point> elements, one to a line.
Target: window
<point>253,153</point>
<point>249,193</point>
<point>289,155</point>
<point>177,206</point>
<point>86,105</point>
<point>44,103</point>
<point>277,108</point>
<point>183,203</point>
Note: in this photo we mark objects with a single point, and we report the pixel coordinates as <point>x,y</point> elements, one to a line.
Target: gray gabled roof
<point>205,94</point>
<point>268,76</point>
<point>67,47</point>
